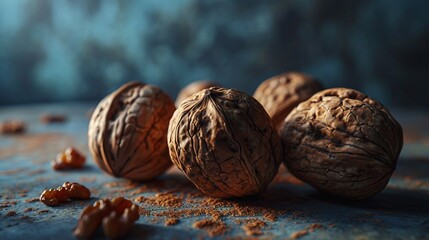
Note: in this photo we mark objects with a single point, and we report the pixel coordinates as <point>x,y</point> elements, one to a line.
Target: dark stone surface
<point>78,50</point>
<point>399,212</point>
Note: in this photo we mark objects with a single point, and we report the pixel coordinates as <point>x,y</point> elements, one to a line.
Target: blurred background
<point>79,50</point>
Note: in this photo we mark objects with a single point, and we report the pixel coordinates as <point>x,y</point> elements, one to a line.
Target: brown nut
<point>192,88</point>
<point>225,143</point>
<point>128,132</point>
<point>117,217</point>
<point>69,159</point>
<point>281,93</point>
<point>53,197</point>
<point>342,142</point>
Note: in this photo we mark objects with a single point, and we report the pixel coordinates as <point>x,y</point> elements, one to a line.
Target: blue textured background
<point>64,50</point>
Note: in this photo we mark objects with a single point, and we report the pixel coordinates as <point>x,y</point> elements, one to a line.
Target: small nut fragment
<point>117,217</point>
<point>12,127</point>
<point>342,142</point>
<point>52,118</point>
<point>53,197</point>
<point>225,143</point>
<point>127,133</point>
<point>69,159</point>
<point>192,88</point>
<point>281,93</point>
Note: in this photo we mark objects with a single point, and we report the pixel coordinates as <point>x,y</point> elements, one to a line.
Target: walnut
<point>69,159</point>
<point>117,217</point>
<point>53,197</point>
<point>127,133</point>
<point>281,93</point>
<point>225,143</point>
<point>342,142</point>
<point>192,88</point>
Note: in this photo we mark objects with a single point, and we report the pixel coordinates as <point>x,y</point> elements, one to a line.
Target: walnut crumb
<point>10,213</point>
<point>171,221</point>
<point>213,227</point>
<point>254,227</point>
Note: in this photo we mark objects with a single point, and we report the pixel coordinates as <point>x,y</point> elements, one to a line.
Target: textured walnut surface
<point>192,88</point>
<point>128,132</point>
<point>342,142</point>
<point>225,143</point>
<point>281,93</point>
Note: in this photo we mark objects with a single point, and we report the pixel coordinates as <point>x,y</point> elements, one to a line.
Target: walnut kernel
<point>117,217</point>
<point>53,197</point>
<point>69,159</point>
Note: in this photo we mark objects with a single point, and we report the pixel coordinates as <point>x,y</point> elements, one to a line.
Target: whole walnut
<point>281,93</point>
<point>127,133</point>
<point>192,88</point>
<point>342,142</point>
<point>225,143</point>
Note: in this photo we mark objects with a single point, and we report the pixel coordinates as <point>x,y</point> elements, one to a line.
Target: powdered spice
<point>162,199</point>
<point>213,227</point>
<point>171,221</point>
<point>313,227</point>
<point>254,227</point>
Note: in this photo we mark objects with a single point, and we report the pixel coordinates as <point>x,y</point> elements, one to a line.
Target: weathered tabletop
<point>288,209</point>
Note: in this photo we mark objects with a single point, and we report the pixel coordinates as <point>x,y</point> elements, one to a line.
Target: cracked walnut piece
<point>53,197</point>
<point>342,142</point>
<point>117,217</point>
<point>69,159</point>
<point>225,143</point>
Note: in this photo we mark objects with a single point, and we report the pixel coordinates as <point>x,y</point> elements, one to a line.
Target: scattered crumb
<point>213,227</point>
<point>299,234</point>
<point>162,199</point>
<point>270,215</point>
<point>144,212</point>
<point>87,179</point>
<point>12,172</point>
<point>10,213</point>
<point>7,204</point>
<point>31,200</point>
<point>313,227</point>
<point>254,227</point>
<point>52,118</point>
<point>30,209</point>
<point>171,221</point>
<point>43,211</point>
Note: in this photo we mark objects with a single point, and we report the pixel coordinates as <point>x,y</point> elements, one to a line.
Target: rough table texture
<point>289,209</point>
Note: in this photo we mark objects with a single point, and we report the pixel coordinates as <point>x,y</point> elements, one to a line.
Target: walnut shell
<point>225,143</point>
<point>127,133</point>
<point>342,142</point>
<point>281,93</point>
<point>192,88</point>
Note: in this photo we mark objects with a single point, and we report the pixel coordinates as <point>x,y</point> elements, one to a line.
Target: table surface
<point>288,208</point>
